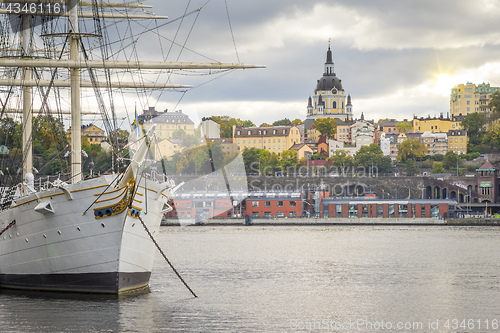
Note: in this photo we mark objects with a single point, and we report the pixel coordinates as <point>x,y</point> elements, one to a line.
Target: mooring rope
<point>165,257</point>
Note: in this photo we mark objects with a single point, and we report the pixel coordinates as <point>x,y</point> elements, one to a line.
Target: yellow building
<point>457,141</point>
<point>273,139</point>
<point>169,122</point>
<point>436,125</point>
<point>303,151</point>
<point>227,145</point>
<point>469,98</point>
<point>94,134</point>
<point>166,148</point>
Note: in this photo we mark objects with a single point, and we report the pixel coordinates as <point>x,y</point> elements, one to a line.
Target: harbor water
<point>293,279</point>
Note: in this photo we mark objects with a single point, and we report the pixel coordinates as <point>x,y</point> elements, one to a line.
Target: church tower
<point>329,99</point>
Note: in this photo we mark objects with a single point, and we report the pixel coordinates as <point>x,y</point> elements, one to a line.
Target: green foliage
<point>404,127</point>
<point>471,156</point>
<point>411,149</point>
<point>288,159</point>
<point>492,137</point>
<point>341,159</point>
<point>494,106</point>
<point>325,126</point>
<point>437,167</point>
<point>450,160</point>
<point>283,122</point>
<point>411,167</point>
<point>368,156</point>
<point>226,125</point>
<point>474,123</point>
<point>297,122</point>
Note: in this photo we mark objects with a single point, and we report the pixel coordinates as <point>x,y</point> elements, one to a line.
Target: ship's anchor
<point>165,257</point>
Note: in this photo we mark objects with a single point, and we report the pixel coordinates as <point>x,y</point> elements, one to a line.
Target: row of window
<point>278,203</point>
<point>255,140</point>
<point>278,214</point>
<point>264,132</point>
<point>366,211</point>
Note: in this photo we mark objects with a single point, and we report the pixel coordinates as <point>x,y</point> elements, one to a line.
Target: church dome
<point>328,82</point>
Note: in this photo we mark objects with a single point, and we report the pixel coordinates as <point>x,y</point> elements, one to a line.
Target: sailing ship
<point>79,235</point>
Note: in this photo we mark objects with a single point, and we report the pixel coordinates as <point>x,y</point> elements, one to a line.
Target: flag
<point>137,131</point>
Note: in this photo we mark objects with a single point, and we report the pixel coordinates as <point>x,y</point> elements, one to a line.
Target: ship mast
<point>76,120</point>
<point>27,115</point>
<point>75,64</point>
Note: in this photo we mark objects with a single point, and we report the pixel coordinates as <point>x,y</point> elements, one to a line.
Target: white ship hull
<point>54,246</point>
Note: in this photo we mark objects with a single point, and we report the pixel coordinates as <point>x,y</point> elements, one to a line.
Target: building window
<point>391,210</point>
<point>280,214</point>
<point>364,210</point>
<point>293,214</point>
<point>293,203</point>
<point>280,204</point>
<point>267,214</point>
<point>434,211</point>
<point>255,214</point>
<point>403,211</point>
<point>339,210</point>
<point>380,210</point>
<point>255,204</point>
<point>268,204</point>
<point>353,211</point>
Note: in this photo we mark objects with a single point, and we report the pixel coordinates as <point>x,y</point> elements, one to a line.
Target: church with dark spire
<point>329,99</point>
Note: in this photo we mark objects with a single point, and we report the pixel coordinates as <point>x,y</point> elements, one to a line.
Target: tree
<point>119,135</point>
<point>226,125</point>
<point>404,127</point>
<point>450,160</point>
<point>325,126</point>
<point>437,167</point>
<point>473,123</point>
<point>200,160</point>
<point>411,149</point>
<point>288,159</point>
<point>494,106</point>
<point>49,131</point>
<point>282,122</point>
<point>265,125</point>
<point>368,156</point>
<point>297,122</point>
<point>411,167</point>
<point>251,160</point>
<point>492,137</point>
<point>341,160</point>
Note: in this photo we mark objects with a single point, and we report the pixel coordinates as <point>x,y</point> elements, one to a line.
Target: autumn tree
<point>437,167</point>
<point>411,149</point>
<point>325,126</point>
<point>492,137</point>
<point>297,122</point>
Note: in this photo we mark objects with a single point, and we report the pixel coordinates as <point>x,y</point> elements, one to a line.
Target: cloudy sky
<point>397,58</point>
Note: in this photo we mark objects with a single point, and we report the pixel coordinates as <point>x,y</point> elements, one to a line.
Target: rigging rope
<point>165,257</point>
